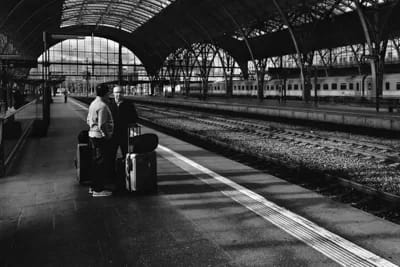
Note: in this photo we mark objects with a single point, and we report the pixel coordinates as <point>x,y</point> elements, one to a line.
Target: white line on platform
<point>333,246</point>
<point>78,104</point>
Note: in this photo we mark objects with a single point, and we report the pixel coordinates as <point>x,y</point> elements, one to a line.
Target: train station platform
<point>210,211</point>
<point>339,114</point>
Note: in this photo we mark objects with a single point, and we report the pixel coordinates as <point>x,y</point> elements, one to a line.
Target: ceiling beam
<point>106,13</point>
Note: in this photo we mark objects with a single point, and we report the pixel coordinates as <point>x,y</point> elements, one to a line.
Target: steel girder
<point>318,24</point>
<point>25,20</point>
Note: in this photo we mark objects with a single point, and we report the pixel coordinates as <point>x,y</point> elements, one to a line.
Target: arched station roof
<point>126,15</point>
<point>153,29</point>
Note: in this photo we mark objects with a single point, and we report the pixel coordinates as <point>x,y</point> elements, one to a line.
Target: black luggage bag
<point>143,143</point>
<point>83,158</point>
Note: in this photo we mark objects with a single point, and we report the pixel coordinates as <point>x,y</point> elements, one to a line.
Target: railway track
<point>370,199</point>
<point>382,204</point>
<point>381,153</point>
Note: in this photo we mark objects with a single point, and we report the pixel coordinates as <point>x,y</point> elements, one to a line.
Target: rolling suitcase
<point>83,157</point>
<point>82,163</point>
<point>141,168</point>
<point>141,172</point>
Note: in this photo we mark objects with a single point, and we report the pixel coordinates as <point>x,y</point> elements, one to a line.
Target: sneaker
<point>91,190</point>
<point>104,193</point>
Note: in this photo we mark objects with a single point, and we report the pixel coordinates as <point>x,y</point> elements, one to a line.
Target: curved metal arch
<point>110,16</point>
<point>214,47</point>
<point>108,33</point>
<point>237,59</point>
<point>20,33</point>
<point>53,43</point>
<point>3,22</point>
<point>214,42</point>
<point>138,12</point>
<point>37,12</point>
<point>297,46</point>
<point>236,50</point>
<point>197,28</point>
<point>24,10</point>
<point>36,30</point>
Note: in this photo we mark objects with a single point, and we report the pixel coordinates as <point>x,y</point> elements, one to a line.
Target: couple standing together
<point>108,129</point>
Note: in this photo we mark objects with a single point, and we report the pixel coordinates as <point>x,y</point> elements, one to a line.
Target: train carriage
<point>350,87</point>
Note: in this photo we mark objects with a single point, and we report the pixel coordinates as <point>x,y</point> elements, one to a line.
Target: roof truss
<point>126,15</point>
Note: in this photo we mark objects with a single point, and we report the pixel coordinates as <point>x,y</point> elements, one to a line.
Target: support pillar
<point>245,75</point>
<point>374,27</point>
<point>372,55</point>
<point>119,64</point>
<point>261,71</point>
<point>186,83</point>
<point>153,84</point>
<point>205,66</point>
<point>187,66</point>
<point>3,91</point>
<point>300,62</point>
<point>2,160</point>
<point>156,84</point>
<point>46,91</point>
<point>315,87</point>
<point>308,74</point>
<point>228,66</point>
<point>173,71</point>
<point>245,69</point>
<point>3,80</point>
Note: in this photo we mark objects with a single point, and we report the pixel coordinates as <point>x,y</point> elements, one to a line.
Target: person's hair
<point>101,90</point>
<point>115,87</point>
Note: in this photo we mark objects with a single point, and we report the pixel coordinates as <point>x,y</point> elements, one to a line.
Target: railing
<point>15,126</point>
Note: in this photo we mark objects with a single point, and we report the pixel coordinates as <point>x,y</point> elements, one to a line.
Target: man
<point>101,128</point>
<point>65,93</point>
<point>124,114</point>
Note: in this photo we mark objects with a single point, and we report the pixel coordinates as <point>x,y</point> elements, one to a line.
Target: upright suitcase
<point>141,172</point>
<point>82,163</point>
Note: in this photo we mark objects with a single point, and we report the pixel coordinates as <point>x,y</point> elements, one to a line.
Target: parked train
<point>327,87</point>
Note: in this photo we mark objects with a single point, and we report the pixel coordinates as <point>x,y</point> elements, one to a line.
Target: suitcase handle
<point>134,130</point>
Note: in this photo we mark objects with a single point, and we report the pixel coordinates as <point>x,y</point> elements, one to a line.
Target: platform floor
<point>202,216</point>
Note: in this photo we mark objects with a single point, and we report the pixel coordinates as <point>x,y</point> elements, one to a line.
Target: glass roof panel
<point>126,15</point>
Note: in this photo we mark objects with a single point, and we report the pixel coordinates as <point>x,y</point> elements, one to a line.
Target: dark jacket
<point>123,115</point>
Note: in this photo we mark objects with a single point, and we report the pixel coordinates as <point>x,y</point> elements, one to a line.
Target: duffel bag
<point>143,143</point>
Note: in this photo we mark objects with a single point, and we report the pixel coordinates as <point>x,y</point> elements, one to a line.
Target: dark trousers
<point>100,162</point>
<point>118,174</point>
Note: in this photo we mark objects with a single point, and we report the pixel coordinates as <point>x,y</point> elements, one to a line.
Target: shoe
<point>104,193</point>
<point>91,190</point>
